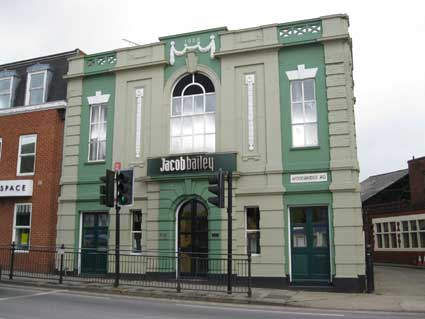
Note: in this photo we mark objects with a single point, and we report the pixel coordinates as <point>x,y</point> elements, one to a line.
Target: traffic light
<point>216,186</point>
<point>125,187</point>
<point>106,189</point>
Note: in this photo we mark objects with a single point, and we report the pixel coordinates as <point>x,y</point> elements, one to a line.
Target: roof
<point>57,64</point>
<point>42,58</point>
<point>374,184</point>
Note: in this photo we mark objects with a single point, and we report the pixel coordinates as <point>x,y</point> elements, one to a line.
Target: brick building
<point>32,108</point>
<point>394,208</point>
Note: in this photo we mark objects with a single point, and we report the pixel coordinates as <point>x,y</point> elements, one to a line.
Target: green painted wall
<point>89,173</point>
<point>203,37</point>
<point>314,158</point>
<point>311,159</point>
<point>172,194</point>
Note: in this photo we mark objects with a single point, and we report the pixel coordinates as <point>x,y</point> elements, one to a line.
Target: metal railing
<point>157,269</point>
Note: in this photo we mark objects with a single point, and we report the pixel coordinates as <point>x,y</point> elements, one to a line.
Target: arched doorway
<point>193,237</point>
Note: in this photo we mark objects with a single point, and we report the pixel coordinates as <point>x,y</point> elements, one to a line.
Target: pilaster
<point>345,188</point>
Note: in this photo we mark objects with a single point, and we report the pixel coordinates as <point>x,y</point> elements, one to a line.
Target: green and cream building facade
<point>274,104</point>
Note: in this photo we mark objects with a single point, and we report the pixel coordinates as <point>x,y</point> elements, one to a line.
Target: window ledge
<point>22,251</point>
<point>95,162</point>
<point>302,148</point>
<point>25,174</point>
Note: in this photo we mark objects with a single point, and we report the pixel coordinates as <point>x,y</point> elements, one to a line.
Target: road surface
<point>18,302</point>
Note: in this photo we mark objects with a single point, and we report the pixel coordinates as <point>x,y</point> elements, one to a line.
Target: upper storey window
<point>98,126</point>
<point>97,141</point>
<point>26,155</point>
<point>304,113</point>
<point>303,106</point>
<point>5,92</point>
<point>192,122</point>
<point>36,88</point>
<point>38,80</point>
<point>8,82</point>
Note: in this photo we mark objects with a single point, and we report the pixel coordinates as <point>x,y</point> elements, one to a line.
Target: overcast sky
<point>388,47</point>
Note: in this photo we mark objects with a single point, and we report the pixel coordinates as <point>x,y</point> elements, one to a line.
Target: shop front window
<point>22,226</point>
<point>253,229</point>
<point>136,232</point>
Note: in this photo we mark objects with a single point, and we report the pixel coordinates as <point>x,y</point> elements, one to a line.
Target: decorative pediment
<point>192,48</point>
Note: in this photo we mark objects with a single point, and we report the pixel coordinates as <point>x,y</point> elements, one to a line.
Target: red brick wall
<point>417,180</point>
<point>48,125</point>
<point>398,257</point>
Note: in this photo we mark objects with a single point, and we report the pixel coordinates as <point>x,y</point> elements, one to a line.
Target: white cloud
<point>388,51</point>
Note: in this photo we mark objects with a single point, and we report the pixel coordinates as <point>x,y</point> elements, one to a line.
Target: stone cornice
<point>276,46</point>
<point>140,65</point>
<point>116,69</point>
<point>33,108</point>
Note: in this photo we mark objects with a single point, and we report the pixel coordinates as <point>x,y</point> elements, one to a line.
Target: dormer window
<point>8,83</point>
<point>36,87</point>
<point>5,92</point>
<point>38,81</point>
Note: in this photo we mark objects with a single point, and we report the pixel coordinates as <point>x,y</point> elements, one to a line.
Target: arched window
<point>192,122</point>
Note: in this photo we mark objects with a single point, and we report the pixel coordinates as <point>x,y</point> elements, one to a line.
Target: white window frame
<point>204,114</point>
<point>98,142</point>
<point>28,87</point>
<point>18,168</point>
<point>247,231</point>
<point>399,232</point>
<point>302,74</point>
<point>22,227</point>
<point>1,146</point>
<point>303,101</point>
<point>132,232</point>
<point>10,90</point>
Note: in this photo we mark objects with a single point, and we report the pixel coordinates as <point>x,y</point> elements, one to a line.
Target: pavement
<point>398,289</point>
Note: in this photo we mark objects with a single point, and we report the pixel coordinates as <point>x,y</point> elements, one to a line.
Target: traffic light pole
<point>229,232</point>
<point>117,244</point>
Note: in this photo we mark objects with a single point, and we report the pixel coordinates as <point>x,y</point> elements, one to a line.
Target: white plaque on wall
<point>309,178</point>
<point>13,188</point>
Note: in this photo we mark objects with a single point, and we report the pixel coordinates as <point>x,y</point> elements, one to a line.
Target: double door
<point>310,244</point>
<point>94,244</point>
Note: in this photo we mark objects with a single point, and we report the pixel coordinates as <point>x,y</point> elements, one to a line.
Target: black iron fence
<point>157,269</point>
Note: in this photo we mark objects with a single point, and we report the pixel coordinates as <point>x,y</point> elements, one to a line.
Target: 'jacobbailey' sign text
<point>191,163</point>
<point>12,188</point>
<point>187,163</point>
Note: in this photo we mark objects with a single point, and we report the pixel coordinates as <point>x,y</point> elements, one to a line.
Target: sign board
<point>191,163</point>
<point>309,178</point>
<point>16,188</point>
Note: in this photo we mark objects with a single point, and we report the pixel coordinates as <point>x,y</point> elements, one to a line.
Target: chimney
<point>417,180</point>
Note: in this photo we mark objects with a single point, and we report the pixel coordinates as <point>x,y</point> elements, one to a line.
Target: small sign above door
<point>309,178</point>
